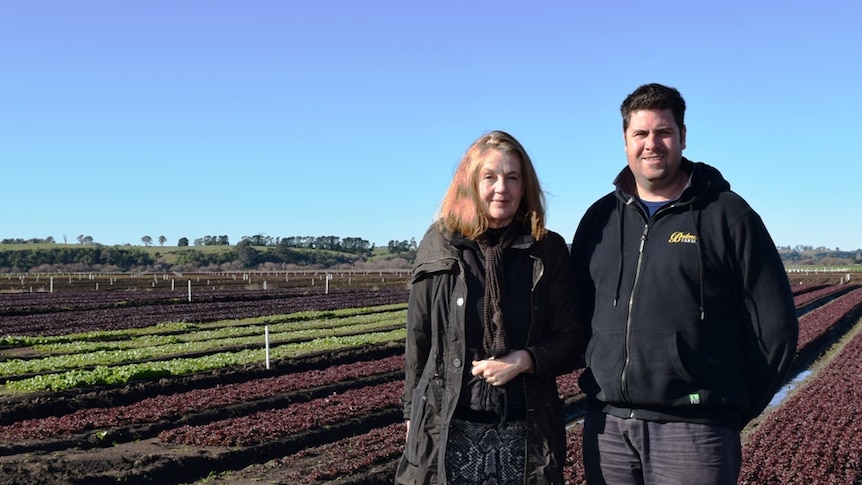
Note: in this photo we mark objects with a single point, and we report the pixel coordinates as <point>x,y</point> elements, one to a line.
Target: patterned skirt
<point>486,453</point>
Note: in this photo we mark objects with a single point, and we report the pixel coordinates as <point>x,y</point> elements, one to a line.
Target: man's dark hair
<point>654,96</point>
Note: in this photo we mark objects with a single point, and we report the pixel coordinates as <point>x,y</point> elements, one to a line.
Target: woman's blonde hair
<point>462,210</point>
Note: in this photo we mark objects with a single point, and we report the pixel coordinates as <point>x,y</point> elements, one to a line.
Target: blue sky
<point>344,118</point>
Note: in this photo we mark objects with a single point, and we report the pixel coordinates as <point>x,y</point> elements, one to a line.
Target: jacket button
<point>459,301</point>
<point>456,362</point>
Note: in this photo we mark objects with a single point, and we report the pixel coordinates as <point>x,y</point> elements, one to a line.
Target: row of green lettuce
<point>120,356</point>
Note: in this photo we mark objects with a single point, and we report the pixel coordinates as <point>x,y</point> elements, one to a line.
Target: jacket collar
<point>705,180</point>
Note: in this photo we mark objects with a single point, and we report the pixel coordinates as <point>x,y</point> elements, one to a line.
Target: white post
<point>190,290</point>
<point>266,339</point>
<point>326,291</point>
<point>52,284</point>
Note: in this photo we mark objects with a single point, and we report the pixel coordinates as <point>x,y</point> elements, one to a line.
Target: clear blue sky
<point>346,118</point>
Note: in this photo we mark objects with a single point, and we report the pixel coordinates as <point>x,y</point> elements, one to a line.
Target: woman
<point>490,324</point>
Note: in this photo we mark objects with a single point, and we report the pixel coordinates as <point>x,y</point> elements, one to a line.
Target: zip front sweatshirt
<point>691,313</point>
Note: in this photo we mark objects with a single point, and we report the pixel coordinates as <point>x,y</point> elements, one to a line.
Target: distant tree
<point>49,239</point>
<point>212,241</point>
<point>184,241</point>
<point>162,240</point>
<point>88,240</point>
<point>147,240</point>
<point>246,254</point>
<point>355,245</point>
<point>257,240</point>
<point>64,239</point>
<point>332,243</point>
<point>80,239</point>
<point>401,246</point>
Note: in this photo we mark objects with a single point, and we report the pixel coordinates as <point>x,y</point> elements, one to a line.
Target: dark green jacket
<point>435,356</point>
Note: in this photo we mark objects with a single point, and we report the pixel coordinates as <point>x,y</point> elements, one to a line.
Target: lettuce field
<point>293,378</point>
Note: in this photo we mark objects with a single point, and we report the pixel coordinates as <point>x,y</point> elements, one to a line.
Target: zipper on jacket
<point>623,384</point>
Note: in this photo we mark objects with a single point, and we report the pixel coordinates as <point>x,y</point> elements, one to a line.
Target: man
<point>692,321</point>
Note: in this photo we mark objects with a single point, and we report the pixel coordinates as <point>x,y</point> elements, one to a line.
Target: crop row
<point>274,424</point>
<point>82,354</point>
<point>818,322</point>
<point>186,331</point>
<point>124,317</point>
<point>180,404</point>
<point>340,458</point>
<point>44,302</point>
<point>122,374</point>
<point>231,281</point>
<point>802,299</point>
<point>816,435</point>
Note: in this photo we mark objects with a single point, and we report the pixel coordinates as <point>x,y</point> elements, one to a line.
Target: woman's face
<point>501,187</point>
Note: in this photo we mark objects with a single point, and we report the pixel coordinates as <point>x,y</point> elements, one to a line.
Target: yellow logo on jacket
<point>682,237</point>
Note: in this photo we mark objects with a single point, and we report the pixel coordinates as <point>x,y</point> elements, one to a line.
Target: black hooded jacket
<point>691,313</point>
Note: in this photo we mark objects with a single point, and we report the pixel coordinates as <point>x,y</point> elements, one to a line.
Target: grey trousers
<point>619,451</point>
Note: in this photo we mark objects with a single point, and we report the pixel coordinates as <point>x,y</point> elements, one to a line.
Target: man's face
<point>654,145</point>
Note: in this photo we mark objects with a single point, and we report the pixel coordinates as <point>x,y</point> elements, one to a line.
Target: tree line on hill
<point>255,252</point>
<point>264,252</point>
<point>353,245</point>
<point>820,256</point>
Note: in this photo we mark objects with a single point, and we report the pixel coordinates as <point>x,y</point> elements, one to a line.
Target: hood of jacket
<point>706,181</point>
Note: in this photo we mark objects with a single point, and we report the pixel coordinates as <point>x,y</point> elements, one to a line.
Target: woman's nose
<point>500,185</point>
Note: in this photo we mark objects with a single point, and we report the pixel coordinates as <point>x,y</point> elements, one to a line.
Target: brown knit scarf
<point>494,338</point>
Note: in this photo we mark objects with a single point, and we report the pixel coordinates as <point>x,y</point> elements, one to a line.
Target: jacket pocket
<point>657,375</point>
<point>422,438</point>
<point>605,356</point>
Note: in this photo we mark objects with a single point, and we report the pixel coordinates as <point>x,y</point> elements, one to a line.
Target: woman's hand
<point>499,371</point>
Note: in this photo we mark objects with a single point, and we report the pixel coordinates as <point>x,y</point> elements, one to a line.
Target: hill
<point>53,257</point>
